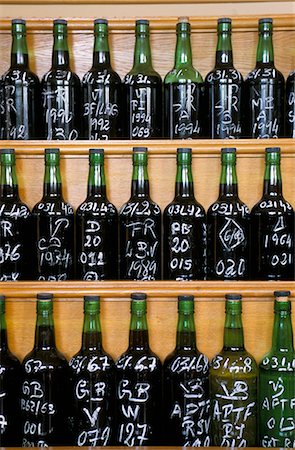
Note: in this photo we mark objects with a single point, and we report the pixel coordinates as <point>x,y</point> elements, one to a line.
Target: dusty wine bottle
<point>16,227</point>
<point>223,90</point>
<point>143,90</point>
<point>21,90</point>
<point>228,225</point>
<point>186,385</point>
<point>276,381</point>
<point>97,227</point>
<point>139,384</point>
<point>184,249</point>
<point>140,227</point>
<point>272,225</point>
<point>264,90</point>
<point>184,90</point>
<point>233,381</point>
<point>10,388</point>
<point>290,105</point>
<point>45,385</point>
<point>102,91</point>
<point>92,383</point>
<point>61,91</point>
<point>54,224</point>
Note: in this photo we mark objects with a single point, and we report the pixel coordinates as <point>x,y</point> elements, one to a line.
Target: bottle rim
<point>227,150</point>
<point>224,20</point>
<point>140,149</point>
<point>18,22</point>
<point>142,22</point>
<point>186,298</point>
<point>100,21</point>
<point>52,151</point>
<point>44,296</point>
<point>96,151</point>
<point>7,151</point>
<point>184,150</point>
<point>60,22</point>
<point>138,296</point>
<point>91,298</point>
<point>282,293</point>
<point>233,297</point>
<point>273,150</point>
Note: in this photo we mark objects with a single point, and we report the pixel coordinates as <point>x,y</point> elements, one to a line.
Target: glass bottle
<point>290,105</point>
<point>92,382</point>
<point>276,381</point>
<point>10,388</point>
<point>61,91</point>
<point>272,224</point>
<point>184,219</point>
<point>264,90</point>
<point>223,89</point>
<point>102,91</point>
<point>22,90</point>
<point>97,227</point>
<point>233,379</point>
<point>184,90</point>
<point>228,223</point>
<point>16,228</point>
<point>186,385</point>
<point>143,90</point>
<point>54,224</point>
<point>45,385</point>
<point>2,110</point>
<point>139,384</point>
<point>140,227</point>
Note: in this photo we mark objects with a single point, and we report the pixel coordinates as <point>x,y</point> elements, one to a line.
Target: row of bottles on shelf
<point>136,401</point>
<point>97,243</point>
<point>224,106</point>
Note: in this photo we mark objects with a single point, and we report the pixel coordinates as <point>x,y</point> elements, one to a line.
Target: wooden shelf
<point>129,2</point>
<point>283,22</point>
<point>120,148</point>
<point>118,290</point>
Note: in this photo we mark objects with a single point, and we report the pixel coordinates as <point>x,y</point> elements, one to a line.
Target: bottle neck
<point>282,338</point>
<point>19,51</point>
<point>3,328</point>
<point>183,52</point>
<point>44,335</point>
<point>142,53</point>
<point>52,181</point>
<point>96,181</point>
<point>8,184</point>
<point>272,180</point>
<point>101,52</point>
<point>186,333</point>
<point>138,335</point>
<point>233,332</point>
<point>140,181</point>
<point>228,181</point>
<point>60,54</point>
<point>91,337</point>
<point>224,54</point>
<point>184,186</point>
<point>265,53</point>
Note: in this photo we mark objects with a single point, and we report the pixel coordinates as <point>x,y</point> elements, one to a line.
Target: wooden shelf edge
<point>162,24</point>
<point>200,147</point>
<point>154,289</point>
<point>128,2</point>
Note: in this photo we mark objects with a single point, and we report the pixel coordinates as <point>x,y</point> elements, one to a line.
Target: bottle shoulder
<point>187,361</point>
<point>96,207</point>
<point>229,363</point>
<point>43,360</point>
<point>224,75</point>
<point>57,75</point>
<point>8,362</point>
<point>105,76</point>
<point>278,361</point>
<point>14,209</point>
<point>183,75</point>
<point>53,206</point>
<point>18,76</point>
<point>268,205</point>
<point>265,74</point>
<point>145,77</point>
<point>291,78</point>
<point>139,207</point>
<point>139,361</point>
<point>91,361</point>
<point>229,207</point>
<point>184,207</point>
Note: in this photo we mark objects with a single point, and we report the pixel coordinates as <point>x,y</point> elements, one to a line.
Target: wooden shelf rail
<point>155,289</point>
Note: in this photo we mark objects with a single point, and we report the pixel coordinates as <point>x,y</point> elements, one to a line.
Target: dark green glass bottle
<point>2,109</point>
<point>290,105</point>
<point>10,388</point>
<point>264,90</point>
<point>16,228</point>
<point>22,90</point>
<point>228,224</point>
<point>61,91</point>
<point>223,89</point>
<point>184,219</point>
<point>140,227</point>
<point>184,90</point>
<point>54,224</point>
<point>92,384</point>
<point>97,227</point>
<point>102,91</point>
<point>233,385</point>
<point>272,225</point>
<point>277,381</point>
<point>143,90</point>
<point>45,385</point>
<point>139,384</point>
<point>186,385</point>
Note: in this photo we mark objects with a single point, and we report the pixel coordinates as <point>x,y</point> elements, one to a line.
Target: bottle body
<point>290,105</point>
<point>2,109</point>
